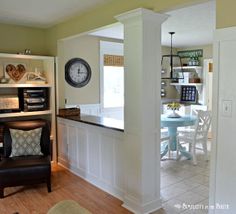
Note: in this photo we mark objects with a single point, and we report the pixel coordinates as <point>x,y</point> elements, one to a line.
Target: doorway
<point>183,185</point>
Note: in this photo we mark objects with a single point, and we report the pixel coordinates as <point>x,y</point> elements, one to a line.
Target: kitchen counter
<point>105,122</point>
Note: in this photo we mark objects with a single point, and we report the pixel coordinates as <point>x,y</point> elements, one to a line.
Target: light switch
<point>227,108</point>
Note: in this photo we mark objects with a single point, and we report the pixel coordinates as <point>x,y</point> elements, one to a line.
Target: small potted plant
<point>173,106</point>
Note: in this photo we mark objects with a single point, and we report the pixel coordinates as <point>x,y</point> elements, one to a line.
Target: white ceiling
<point>43,13</point>
<point>193,26</point>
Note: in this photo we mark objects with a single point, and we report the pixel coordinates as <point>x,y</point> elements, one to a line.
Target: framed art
<point>188,94</point>
<point>15,71</point>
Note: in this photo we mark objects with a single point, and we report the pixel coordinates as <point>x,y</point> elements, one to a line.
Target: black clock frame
<point>67,72</point>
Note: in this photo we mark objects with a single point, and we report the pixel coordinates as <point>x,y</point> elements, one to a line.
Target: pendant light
<point>172,65</point>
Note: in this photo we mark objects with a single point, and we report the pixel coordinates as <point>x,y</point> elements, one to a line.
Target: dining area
<point>185,154</point>
<point>183,134</point>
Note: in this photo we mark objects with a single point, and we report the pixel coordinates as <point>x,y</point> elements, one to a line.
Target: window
<point>113,86</point>
<point>112,75</point>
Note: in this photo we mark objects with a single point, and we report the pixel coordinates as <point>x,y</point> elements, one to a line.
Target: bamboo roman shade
<point>113,60</point>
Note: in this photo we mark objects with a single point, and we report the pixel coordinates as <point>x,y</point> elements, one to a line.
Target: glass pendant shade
<point>171,65</point>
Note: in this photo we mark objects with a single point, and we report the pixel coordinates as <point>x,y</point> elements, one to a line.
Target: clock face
<point>77,72</point>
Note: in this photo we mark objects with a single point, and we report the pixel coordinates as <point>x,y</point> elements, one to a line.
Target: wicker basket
<point>194,80</point>
<point>69,112</point>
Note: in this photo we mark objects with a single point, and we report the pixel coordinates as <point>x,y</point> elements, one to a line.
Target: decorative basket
<point>194,80</point>
<point>69,112</point>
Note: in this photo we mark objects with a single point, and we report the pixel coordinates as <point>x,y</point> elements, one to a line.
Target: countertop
<point>105,122</point>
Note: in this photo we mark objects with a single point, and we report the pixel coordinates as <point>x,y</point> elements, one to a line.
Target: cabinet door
<point>62,143</point>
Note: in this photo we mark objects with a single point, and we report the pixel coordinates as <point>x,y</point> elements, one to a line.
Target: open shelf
<point>13,85</point>
<point>24,114</point>
<point>193,84</point>
<point>32,63</point>
<point>189,67</point>
<point>178,86</point>
<point>24,56</point>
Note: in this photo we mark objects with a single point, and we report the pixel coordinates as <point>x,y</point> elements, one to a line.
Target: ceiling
<point>193,26</point>
<point>43,13</point>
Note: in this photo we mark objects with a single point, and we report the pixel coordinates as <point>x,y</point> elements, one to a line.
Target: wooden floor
<point>35,199</point>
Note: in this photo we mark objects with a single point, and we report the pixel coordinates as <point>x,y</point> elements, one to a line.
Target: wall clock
<point>77,72</point>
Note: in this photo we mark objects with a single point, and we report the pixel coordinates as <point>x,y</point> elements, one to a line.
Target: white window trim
<point>112,48</point>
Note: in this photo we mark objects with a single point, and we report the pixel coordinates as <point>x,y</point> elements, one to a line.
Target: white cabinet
<point>71,145</point>
<point>45,65</point>
<point>69,149</point>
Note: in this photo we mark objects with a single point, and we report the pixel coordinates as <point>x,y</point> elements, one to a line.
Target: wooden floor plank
<point>65,185</point>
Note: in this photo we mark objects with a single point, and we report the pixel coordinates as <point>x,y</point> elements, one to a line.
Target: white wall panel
<point>62,142</point>
<point>72,145</point>
<point>107,158</point>
<point>95,154</point>
<point>119,163</point>
<point>82,149</point>
<point>223,161</point>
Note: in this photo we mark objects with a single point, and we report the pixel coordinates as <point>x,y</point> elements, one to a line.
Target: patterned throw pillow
<point>25,142</point>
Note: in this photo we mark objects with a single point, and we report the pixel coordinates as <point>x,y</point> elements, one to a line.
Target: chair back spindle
<point>203,124</point>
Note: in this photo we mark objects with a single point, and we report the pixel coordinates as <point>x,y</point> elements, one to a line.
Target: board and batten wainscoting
<point>94,153</point>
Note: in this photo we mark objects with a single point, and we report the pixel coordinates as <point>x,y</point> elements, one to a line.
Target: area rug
<point>68,207</point>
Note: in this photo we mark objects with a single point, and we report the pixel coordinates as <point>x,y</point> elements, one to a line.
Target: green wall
<point>104,15</point>
<point>14,39</point>
<point>225,13</point>
<point>87,48</point>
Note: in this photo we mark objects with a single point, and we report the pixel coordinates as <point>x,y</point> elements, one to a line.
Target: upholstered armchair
<point>23,164</point>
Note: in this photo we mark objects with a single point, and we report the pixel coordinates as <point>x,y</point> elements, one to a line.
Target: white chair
<point>196,135</point>
<point>195,108</point>
<point>165,138</point>
<point>193,111</point>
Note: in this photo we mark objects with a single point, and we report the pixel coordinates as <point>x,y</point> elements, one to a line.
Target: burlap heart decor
<point>15,72</point>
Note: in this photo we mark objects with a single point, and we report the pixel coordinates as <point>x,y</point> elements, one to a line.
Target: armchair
<point>25,169</point>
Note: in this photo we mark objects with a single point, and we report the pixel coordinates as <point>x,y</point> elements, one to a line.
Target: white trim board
<point>222,176</point>
<point>113,48</point>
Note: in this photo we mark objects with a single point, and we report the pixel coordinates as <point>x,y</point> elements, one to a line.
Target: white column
<point>142,51</point>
